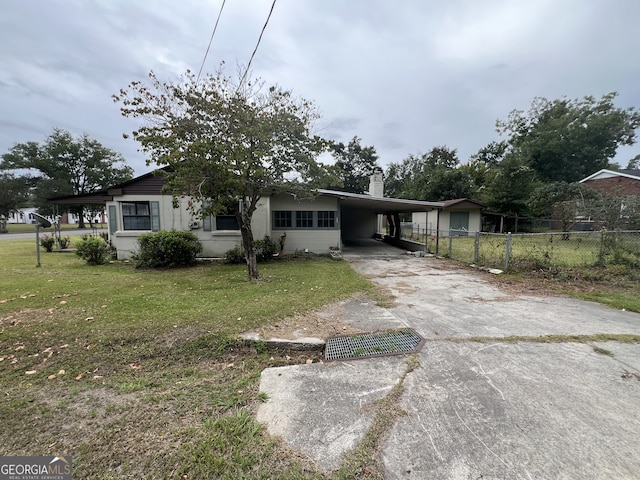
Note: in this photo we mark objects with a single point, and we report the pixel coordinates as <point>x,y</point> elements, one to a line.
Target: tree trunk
<point>249,249</point>
<point>80,211</point>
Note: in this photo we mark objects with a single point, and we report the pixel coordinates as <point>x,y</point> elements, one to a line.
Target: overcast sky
<point>404,75</point>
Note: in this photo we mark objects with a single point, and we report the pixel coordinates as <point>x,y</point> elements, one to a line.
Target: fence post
<point>476,248</point>
<point>426,241</point>
<point>507,252</point>
<point>450,245</point>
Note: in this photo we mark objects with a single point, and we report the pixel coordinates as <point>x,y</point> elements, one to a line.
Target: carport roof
<point>381,204</point>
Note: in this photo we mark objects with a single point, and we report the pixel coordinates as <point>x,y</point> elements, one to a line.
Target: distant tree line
<point>533,171</point>
<point>32,172</point>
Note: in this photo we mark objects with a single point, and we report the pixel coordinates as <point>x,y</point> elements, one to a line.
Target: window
<point>304,219</point>
<point>326,219</point>
<point>141,216</point>
<point>282,219</point>
<point>227,222</point>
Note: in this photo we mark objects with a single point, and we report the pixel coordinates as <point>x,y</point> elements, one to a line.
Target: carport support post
<point>476,248</point>
<point>507,251</point>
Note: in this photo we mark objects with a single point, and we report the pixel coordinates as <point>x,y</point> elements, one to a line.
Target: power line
<point>257,44</point>
<point>210,40</point>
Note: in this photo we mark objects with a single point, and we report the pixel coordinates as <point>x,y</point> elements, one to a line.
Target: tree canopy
<point>64,165</point>
<point>567,140</point>
<point>354,164</point>
<point>432,176</point>
<point>14,193</point>
<point>227,144</point>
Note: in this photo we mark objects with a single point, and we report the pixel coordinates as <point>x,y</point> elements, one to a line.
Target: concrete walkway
<point>473,410</point>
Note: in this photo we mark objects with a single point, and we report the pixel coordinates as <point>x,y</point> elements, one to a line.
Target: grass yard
<point>579,249</point>
<point>137,374</point>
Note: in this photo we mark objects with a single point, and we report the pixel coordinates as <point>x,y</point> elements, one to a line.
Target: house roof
<point>605,173</point>
<point>463,203</point>
<point>381,204</point>
<point>150,183</point>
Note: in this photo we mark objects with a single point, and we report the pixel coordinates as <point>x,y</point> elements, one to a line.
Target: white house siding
<point>429,220</point>
<point>316,240</point>
<point>214,243</point>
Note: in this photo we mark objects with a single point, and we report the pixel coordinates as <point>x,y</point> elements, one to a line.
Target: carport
<point>362,216</point>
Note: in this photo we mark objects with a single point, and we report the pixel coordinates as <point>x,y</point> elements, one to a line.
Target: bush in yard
<point>47,242</point>
<point>94,250</point>
<point>235,256</point>
<point>64,242</point>
<point>167,249</point>
<point>265,249</point>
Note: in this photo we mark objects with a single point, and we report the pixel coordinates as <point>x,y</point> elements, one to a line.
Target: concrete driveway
<point>474,410</point>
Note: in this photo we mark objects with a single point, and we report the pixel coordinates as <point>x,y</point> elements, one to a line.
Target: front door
<point>459,223</point>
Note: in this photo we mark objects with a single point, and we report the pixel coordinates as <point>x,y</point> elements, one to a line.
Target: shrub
<point>167,249</point>
<point>64,242</point>
<point>265,249</point>
<point>47,242</point>
<point>235,256</point>
<point>93,250</point>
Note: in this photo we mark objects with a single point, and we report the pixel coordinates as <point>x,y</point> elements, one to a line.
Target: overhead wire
<point>210,40</point>
<point>257,45</point>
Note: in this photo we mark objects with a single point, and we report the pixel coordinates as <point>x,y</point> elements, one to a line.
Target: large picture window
<point>140,216</point>
<point>136,216</point>
<point>227,222</point>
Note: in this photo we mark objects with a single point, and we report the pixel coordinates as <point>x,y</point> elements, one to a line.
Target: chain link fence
<point>528,251</point>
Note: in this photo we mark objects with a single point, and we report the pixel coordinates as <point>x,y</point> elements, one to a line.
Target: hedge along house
<point>327,220</point>
<point>454,217</point>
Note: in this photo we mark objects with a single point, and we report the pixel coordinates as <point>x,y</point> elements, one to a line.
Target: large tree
<point>227,144</point>
<point>433,176</point>
<point>14,193</point>
<point>354,164</point>
<point>567,140</point>
<point>64,165</point>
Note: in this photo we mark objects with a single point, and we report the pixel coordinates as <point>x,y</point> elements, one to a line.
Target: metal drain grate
<point>367,345</point>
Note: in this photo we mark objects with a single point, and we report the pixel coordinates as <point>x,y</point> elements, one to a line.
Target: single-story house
<point>330,219</point>
<point>456,217</point>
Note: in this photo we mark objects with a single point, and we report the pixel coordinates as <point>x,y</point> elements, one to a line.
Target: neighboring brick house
<point>619,183</point>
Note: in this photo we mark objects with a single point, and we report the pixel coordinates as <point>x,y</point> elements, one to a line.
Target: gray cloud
<point>403,76</point>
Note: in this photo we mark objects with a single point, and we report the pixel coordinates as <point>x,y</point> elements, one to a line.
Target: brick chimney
<point>376,184</point>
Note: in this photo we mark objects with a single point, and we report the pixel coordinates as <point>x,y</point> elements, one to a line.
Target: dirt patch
<point>322,324</point>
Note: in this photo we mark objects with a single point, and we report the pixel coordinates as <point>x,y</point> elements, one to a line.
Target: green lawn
<point>138,374</point>
<point>529,252</point>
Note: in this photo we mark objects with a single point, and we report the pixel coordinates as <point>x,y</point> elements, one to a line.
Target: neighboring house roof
<point>605,173</point>
<point>463,203</point>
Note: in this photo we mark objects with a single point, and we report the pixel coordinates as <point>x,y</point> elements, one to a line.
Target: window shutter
<point>155,216</point>
<point>113,220</point>
<point>206,221</point>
